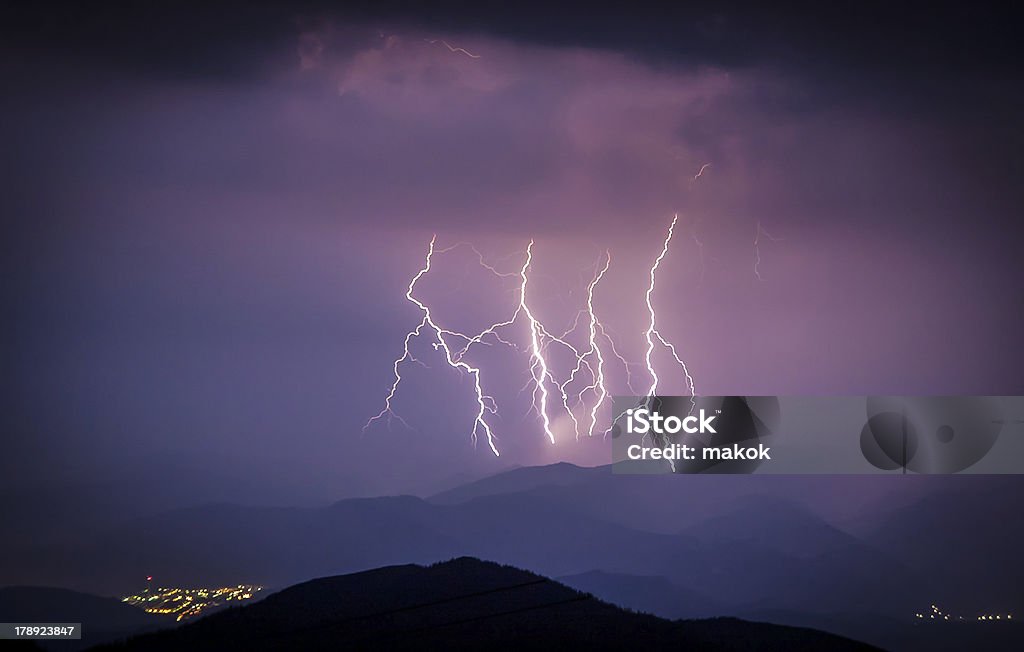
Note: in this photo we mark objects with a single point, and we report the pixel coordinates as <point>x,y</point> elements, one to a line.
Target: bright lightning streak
<point>652,332</point>
<point>536,353</point>
<point>541,340</point>
<point>406,355</point>
<point>597,376</point>
<point>595,348</point>
<point>544,340</point>
<point>484,403</point>
<point>451,48</point>
<point>653,335</point>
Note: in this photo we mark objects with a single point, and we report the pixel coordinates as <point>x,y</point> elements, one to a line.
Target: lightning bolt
<point>700,252</point>
<point>538,364</point>
<point>491,330</point>
<point>757,248</point>
<point>541,339</point>
<point>406,355</point>
<point>652,332</point>
<point>607,334</point>
<point>452,48</point>
<point>700,172</point>
<point>484,403</point>
<point>653,336</point>
<point>547,390</point>
<point>597,385</point>
<point>479,257</point>
<point>597,376</point>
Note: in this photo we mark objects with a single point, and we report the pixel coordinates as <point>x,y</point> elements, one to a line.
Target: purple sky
<point>205,275</point>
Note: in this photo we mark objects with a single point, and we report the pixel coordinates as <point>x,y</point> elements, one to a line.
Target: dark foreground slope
<point>462,604</point>
<point>106,618</point>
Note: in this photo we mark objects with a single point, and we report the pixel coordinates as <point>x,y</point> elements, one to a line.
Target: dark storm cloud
<point>877,39</point>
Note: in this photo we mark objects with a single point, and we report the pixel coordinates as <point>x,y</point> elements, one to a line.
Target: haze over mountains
<point>679,547</point>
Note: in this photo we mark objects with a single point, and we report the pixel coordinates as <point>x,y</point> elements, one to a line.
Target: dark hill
<point>462,604</point>
<point>104,619</point>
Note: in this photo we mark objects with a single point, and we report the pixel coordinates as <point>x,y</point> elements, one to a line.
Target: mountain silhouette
<point>754,549</point>
<point>516,480</point>
<point>461,604</point>
<point>650,594</point>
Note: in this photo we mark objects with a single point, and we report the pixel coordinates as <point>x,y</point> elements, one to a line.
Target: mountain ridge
<point>463,603</point>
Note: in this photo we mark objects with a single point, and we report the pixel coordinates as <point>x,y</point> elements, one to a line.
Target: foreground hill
<point>462,604</point>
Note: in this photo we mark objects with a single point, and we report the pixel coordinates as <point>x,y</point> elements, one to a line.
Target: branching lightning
<point>484,403</point>
<point>595,348</point>
<point>538,364</point>
<point>615,352</point>
<point>586,381</point>
<point>451,48</point>
<point>652,332</point>
<point>596,385</point>
<point>757,247</point>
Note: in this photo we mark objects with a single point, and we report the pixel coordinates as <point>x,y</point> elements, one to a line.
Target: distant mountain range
<point>463,604</point>
<point>679,547</point>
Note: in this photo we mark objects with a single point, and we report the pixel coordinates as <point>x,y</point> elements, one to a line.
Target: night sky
<point>210,217</point>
